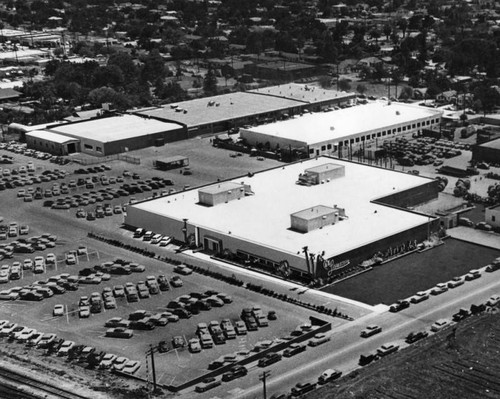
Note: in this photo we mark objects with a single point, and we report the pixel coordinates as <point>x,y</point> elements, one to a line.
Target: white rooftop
<point>328,126</point>
<point>114,128</point>
<point>50,136</point>
<point>264,218</point>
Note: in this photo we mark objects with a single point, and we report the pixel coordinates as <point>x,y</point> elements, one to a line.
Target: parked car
<point>329,375</point>
<point>319,339</point>
<point>371,330</point>
<point>119,332</point>
<point>439,325</point>
<point>302,387</point>
<point>387,349</point>
<point>416,336</point>
<point>294,349</point>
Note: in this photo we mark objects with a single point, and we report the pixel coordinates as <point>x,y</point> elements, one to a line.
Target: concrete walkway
<point>486,238</point>
<point>353,308</point>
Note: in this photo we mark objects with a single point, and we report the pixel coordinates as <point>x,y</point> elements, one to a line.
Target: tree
<point>102,95</point>
<point>126,64</point>
<point>387,31</point>
<point>154,66</point>
<point>210,82</point>
<point>325,82</point>
<point>406,93</point>
<point>344,85</point>
<point>361,88</point>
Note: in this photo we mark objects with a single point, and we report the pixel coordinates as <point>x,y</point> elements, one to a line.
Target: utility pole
<point>151,352</point>
<point>263,377</point>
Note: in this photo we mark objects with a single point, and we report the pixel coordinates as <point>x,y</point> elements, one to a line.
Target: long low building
<point>335,211</point>
<point>336,132</point>
<point>220,113</point>
<point>105,136</point>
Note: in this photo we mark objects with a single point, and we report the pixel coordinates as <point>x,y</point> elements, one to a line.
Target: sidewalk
<point>486,238</point>
<point>353,308</point>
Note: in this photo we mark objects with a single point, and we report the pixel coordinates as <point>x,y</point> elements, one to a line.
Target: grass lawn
<point>419,271</point>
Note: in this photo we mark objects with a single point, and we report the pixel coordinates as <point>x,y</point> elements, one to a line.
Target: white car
<point>28,264</point>
<point>26,334</point>
<point>120,362</point>
<point>70,259</point>
<point>493,301</point>
<point>165,241</point>
<point>4,276</point>
<point>107,361</point>
<point>439,325</point>
<point>65,348</point>
<point>39,260</point>
<point>131,366</point>
<point>194,345</point>
<point>58,310</point>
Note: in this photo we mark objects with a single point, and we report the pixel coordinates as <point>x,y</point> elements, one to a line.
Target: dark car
<point>367,359</point>
<point>235,372</point>
<point>293,349</point>
<point>268,359</point>
<point>142,325</point>
<point>416,336</point>
<point>182,313</point>
<point>303,387</point>
<point>399,305</point>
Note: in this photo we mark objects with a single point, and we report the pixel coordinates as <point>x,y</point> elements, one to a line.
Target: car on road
<point>461,315</point>
<point>58,310</point>
<point>302,387</point>
<point>371,330</point>
<point>419,297</point>
<point>207,383</point>
<point>399,305</point>
<point>472,275</point>
<point>236,372</point>
<point>387,349</point>
<point>455,282</point>
<point>294,349</point>
<point>440,324</point>
<point>439,289</point>
<point>416,336</point>
<point>329,375</point>
<point>269,359</point>
<point>319,339</point>
<point>494,300</point>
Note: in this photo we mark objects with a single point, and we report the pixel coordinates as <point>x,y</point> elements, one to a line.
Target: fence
<point>108,158</point>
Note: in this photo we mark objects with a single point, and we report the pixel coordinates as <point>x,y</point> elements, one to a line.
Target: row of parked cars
<point>21,148</point>
<point>443,287</point>
<point>20,180</point>
<point>27,245</point>
<point>293,349</point>
<point>54,345</point>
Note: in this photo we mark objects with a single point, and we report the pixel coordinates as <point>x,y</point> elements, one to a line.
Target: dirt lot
<point>440,367</point>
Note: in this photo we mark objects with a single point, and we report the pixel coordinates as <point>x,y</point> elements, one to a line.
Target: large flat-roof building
<point>342,212</point>
<point>332,133</point>
<point>487,152</point>
<point>220,113</point>
<point>107,136</point>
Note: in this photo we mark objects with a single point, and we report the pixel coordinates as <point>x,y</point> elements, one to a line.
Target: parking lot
<point>177,365</point>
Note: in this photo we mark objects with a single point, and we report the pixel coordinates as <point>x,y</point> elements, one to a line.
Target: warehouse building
<point>311,218</point>
<point>107,136</point>
<point>338,132</point>
<point>53,143</point>
<point>220,113</point>
<point>487,152</point>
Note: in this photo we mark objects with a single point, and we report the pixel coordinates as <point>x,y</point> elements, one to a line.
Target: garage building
<point>487,152</point>
<point>343,215</point>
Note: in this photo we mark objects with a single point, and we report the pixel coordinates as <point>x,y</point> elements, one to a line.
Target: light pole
<point>151,352</point>
<point>263,377</point>
<point>184,230</point>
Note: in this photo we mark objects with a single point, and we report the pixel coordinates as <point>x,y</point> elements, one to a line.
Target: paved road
<point>345,347</point>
